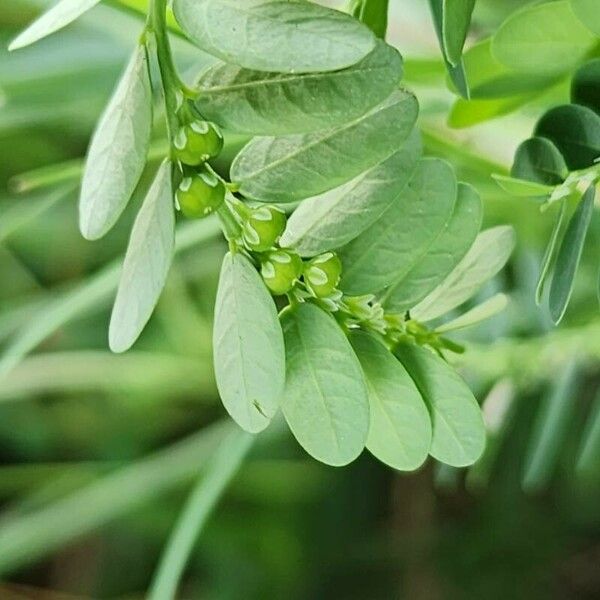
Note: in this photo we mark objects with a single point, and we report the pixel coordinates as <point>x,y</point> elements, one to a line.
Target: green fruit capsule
<point>200,195</point>
<point>196,142</point>
<point>263,227</point>
<point>322,274</point>
<point>280,269</point>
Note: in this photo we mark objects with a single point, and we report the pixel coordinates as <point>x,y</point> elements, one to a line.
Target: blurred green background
<point>98,452</point>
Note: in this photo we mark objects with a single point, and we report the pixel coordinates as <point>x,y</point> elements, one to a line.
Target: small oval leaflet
<point>458,429</point>
<point>388,249</point>
<point>248,347</point>
<point>400,429</point>
<point>146,265</point>
<point>539,160</point>
<point>261,103</point>
<point>118,149</point>
<point>291,168</point>
<point>325,401</point>
<point>585,85</point>
<point>55,18</point>
<point>336,217</point>
<point>443,255</point>
<point>287,37</point>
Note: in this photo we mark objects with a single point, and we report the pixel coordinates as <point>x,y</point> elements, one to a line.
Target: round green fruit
<point>200,194</point>
<point>322,274</point>
<point>263,227</point>
<point>196,142</point>
<point>280,269</point>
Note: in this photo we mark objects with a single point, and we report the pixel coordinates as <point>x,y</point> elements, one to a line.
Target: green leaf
<point>398,240</point>
<point>587,12</point>
<point>373,13</point>
<point>291,168</point>
<point>442,256</point>
<point>325,401</point>
<point>263,103</point>
<point>569,256</point>
<point>588,458</point>
<point>522,187</point>
<point>287,36</point>
<point>458,430</point>
<point>57,17</point>
<point>334,218</point>
<point>490,79</point>
<point>400,427</point>
<point>539,160</point>
<point>575,131</point>
<point>542,39</point>
<point>466,113</point>
<point>146,265</point>
<point>489,253</point>
<point>118,149</point>
<point>249,356</point>
<point>585,87</point>
<point>487,309</point>
<point>550,251</point>
<point>456,20</point>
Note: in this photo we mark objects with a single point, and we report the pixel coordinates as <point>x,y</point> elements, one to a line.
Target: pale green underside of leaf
<point>521,187</point>
<point>458,430</point>
<point>288,37</point>
<point>405,232</point>
<point>466,113</point>
<point>117,152</point>
<point>456,18</point>
<point>60,15</point>
<point>261,103</point>
<point>291,168</point>
<point>147,262</point>
<point>325,401</point>
<point>588,12</point>
<point>451,245</point>
<point>248,347</point>
<point>400,427</point>
<point>489,253</point>
<point>569,255</point>
<point>487,309</point>
<point>542,39</point>
<point>336,217</point>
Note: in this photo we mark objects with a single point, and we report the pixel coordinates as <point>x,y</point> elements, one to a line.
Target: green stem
<point>221,470</point>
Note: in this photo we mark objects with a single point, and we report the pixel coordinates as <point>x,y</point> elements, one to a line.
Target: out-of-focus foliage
<point>99,452</point>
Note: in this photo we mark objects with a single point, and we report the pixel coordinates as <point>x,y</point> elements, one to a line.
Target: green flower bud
<point>322,274</point>
<point>196,142</point>
<point>200,194</point>
<point>263,227</point>
<point>280,269</point>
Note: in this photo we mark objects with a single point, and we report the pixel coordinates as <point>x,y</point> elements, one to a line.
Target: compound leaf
<point>400,427</point>
<point>249,356</point>
<point>325,401</point>
<point>118,149</point>
<point>291,168</point>
<point>147,262</point>
<point>284,36</point>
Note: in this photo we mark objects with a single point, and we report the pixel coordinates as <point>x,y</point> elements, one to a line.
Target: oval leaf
<point>521,187</point>
<point>539,160</point>
<point>542,39</point>
<point>291,168</point>
<point>261,103</point>
<point>487,309</point>
<point>587,12</point>
<point>288,37</point>
<point>57,17</point>
<point>400,428</point>
<point>443,255</point>
<point>118,149</point>
<point>569,256</point>
<point>456,20</point>
<point>325,401</point>
<point>334,218</point>
<point>146,265</point>
<point>458,430</point>
<point>489,253</point>
<point>585,87</point>
<point>404,233</point>
<point>248,348</point>
<point>575,131</point>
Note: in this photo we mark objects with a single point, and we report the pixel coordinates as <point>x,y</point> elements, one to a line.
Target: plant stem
<point>221,469</point>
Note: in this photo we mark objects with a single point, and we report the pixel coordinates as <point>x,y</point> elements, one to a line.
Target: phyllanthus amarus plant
<point>346,244</point>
